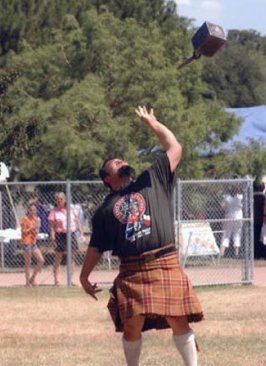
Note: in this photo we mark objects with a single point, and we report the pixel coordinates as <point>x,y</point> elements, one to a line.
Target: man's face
<point>117,170</point>
<point>112,166</point>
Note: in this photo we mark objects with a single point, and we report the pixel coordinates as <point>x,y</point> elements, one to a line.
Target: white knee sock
<point>187,348</point>
<point>132,351</point>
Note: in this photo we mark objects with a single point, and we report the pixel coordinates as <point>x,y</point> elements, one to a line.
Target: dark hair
<point>102,171</point>
<point>258,186</point>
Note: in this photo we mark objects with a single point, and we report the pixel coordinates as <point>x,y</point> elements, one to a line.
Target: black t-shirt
<point>138,217</point>
<point>259,202</point>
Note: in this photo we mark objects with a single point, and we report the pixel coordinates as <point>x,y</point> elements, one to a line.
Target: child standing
<point>30,225</point>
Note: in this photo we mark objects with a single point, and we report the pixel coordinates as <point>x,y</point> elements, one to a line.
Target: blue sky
<point>230,14</point>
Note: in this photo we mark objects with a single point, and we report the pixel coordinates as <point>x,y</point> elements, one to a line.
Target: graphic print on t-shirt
<point>129,210</point>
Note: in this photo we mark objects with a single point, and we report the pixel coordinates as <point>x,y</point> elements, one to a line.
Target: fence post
<point>251,259</point>
<point>1,214</point>
<point>69,254</point>
<point>249,235</point>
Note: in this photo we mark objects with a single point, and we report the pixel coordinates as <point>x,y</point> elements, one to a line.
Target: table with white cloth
<point>9,236</point>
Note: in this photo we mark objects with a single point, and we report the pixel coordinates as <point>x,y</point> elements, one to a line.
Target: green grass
<point>50,326</point>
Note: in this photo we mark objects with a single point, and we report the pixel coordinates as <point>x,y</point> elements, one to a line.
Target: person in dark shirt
<point>135,222</point>
<point>259,202</point>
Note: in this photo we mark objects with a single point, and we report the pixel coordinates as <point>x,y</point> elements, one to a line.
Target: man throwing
<point>135,221</point>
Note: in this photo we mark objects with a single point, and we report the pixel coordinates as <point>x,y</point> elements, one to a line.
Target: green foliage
<point>238,75</point>
<point>32,20</point>
<point>242,161</point>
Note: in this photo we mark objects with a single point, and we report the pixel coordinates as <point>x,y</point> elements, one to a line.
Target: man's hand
<point>167,139</point>
<point>91,259</point>
<point>90,289</point>
<point>146,117</point>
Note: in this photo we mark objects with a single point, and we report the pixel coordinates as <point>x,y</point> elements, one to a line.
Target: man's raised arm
<point>167,139</point>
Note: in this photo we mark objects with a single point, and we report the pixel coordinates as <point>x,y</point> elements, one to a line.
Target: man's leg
<point>132,339</point>
<point>184,339</point>
<point>257,244</point>
<point>227,233</point>
<point>237,238</point>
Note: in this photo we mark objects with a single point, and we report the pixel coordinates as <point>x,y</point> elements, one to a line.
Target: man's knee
<point>179,324</point>
<point>133,327</point>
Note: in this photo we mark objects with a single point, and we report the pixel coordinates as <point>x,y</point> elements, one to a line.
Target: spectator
<point>233,225</point>
<point>30,225</point>
<point>58,233</point>
<point>80,214</point>
<point>258,210</point>
<point>43,214</point>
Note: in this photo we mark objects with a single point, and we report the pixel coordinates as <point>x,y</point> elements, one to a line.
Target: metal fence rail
<point>202,221</point>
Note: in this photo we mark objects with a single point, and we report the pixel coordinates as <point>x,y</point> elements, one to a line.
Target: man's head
<point>258,186</point>
<point>115,172</point>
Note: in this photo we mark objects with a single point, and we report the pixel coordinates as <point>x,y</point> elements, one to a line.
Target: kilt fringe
<point>155,288</point>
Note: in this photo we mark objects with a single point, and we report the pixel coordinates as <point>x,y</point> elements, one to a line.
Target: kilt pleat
<point>154,288</point>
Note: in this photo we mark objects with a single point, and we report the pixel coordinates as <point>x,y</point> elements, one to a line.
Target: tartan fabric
<point>154,287</point>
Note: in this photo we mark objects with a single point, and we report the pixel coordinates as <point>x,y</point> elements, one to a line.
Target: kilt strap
<point>150,255</point>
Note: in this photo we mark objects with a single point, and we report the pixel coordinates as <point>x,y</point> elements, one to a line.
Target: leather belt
<point>149,257</point>
<point>158,254</point>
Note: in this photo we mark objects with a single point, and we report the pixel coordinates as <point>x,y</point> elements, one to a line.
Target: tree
<point>32,20</point>
<point>73,100</point>
<point>242,160</point>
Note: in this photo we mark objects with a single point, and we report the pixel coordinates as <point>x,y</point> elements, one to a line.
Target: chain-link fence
<point>213,222</point>
<point>215,230</point>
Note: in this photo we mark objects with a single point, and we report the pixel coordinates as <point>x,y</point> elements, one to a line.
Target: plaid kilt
<point>154,287</point>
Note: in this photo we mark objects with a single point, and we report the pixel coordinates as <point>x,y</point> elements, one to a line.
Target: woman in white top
<point>58,232</point>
